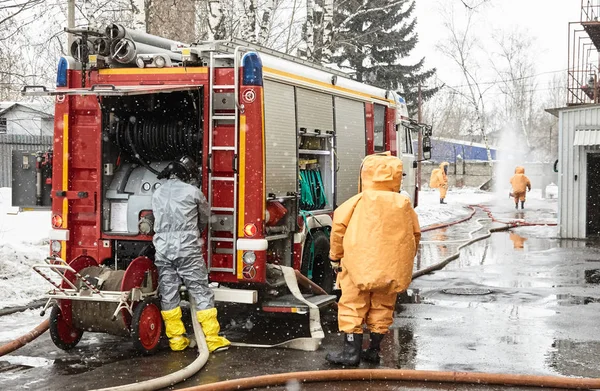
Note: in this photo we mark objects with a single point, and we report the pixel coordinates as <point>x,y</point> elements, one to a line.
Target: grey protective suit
<point>178,209</point>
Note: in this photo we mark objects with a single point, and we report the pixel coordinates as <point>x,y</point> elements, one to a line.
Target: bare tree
<point>459,47</point>
<point>514,65</point>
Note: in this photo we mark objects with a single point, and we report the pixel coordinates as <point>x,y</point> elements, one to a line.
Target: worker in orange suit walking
<point>374,238</point>
<point>439,180</point>
<point>520,183</point>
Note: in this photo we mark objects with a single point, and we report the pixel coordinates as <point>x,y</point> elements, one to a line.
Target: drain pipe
<point>24,339</point>
<point>400,375</point>
<point>175,377</point>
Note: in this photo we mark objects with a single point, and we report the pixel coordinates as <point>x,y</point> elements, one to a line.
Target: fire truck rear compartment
<point>141,135</point>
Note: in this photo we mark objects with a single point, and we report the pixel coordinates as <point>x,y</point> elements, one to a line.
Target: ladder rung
<point>223,148</point>
<point>223,117</point>
<point>221,240</point>
<point>220,209</point>
<point>222,178</point>
<point>224,87</point>
<point>230,56</point>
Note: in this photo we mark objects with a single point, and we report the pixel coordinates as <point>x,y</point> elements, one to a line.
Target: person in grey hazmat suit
<point>180,209</point>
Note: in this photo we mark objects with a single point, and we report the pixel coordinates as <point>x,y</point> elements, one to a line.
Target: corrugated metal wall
<point>350,139</point>
<point>280,138</point>
<point>8,142</point>
<point>572,160</point>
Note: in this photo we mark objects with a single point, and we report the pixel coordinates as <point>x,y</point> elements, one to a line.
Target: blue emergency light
<point>61,74</point>
<point>252,74</point>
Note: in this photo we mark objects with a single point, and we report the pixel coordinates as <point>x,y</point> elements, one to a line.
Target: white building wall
<point>572,163</point>
<point>24,121</point>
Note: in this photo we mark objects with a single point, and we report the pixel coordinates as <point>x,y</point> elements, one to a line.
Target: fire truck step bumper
<point>290,304</point>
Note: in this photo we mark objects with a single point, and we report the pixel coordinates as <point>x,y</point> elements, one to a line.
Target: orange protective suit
<point>439,179</point>
<point>520,183</point>
<point>376,235</point>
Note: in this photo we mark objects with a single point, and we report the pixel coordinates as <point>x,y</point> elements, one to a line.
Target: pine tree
<point>372,37</point>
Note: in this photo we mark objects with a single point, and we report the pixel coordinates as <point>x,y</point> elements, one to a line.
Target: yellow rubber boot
<point>175,329</point>
<point>210,326</point>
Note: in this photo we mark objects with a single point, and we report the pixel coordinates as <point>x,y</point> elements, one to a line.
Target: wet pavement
<point>518,302</point>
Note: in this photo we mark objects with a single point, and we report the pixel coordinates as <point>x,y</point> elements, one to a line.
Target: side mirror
<point>426,148</point>
<point>556,166</point>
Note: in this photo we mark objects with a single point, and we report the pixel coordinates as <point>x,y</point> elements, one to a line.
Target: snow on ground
<point>431,212</point>
<point>23,243</point>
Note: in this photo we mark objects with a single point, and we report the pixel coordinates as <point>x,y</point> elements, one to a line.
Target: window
<point>407,147</point>
<point>379,137</point>
<point>3,126</point>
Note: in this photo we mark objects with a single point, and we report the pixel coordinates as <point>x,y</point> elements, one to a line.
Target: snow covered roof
<point>46,109</point>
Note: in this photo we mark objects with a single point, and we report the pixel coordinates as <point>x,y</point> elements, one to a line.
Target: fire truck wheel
<point>147,326</point>
<point>63,335</point>
<point>322,273</point>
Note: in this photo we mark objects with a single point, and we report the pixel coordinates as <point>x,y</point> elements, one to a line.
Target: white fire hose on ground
<point>182,374</point>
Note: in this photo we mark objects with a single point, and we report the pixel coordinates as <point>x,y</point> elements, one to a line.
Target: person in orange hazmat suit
<point>375,237</point>
<point>439,180</point>
<point>519,183</point>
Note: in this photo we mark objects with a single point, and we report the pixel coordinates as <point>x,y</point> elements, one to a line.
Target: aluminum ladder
<point>222,213</point>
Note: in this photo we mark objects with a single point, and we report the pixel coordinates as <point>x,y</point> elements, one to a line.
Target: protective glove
<point>335,265</point>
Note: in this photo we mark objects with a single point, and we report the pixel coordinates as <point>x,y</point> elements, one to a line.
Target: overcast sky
<point>546,21</point>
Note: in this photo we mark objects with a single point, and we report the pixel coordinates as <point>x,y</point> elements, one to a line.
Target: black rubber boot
<point>522,204</point>
<point>517,205</point>
<point>372,353</point>
<point>442,201</point>
<point>350,354</point>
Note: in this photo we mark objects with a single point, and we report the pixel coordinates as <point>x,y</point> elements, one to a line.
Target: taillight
<point>57,221</point>
<point>250,230</point>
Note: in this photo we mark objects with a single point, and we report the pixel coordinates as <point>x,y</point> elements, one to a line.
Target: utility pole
<point>70,22</point>
<point>420,143</point>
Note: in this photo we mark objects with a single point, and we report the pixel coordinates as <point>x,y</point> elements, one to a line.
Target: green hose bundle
<point>312,191</point>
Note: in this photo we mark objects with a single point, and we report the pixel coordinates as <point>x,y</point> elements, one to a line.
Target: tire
<point>147,326</point>
<point>322,273</point>
<point>64,336</point>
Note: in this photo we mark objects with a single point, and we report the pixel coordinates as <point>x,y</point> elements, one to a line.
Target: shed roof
<point>585,137</point>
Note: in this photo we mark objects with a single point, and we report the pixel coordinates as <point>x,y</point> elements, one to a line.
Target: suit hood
<point>381,172</point>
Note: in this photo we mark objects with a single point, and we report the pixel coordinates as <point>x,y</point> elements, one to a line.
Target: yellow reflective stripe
<point>323,85</point>
<point>65,179</point>
<point>241,191</point>
<point>151,71</point>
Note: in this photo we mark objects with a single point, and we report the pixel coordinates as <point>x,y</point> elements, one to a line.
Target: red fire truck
<point>280,142</point>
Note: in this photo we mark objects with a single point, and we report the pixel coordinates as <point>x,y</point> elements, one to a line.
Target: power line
<point>507,80</point>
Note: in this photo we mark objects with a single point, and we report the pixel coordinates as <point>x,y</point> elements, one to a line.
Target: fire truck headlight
<point>249,258</point>
<point>61,74</point>
<point>55,246</point>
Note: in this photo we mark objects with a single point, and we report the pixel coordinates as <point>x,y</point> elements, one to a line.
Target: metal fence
<point>10,142</point>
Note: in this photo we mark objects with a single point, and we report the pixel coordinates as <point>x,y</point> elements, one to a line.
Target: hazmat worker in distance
<point>439,180</point>
<point>180,210</point>
<point>374,238</point>
<point>520,183</point>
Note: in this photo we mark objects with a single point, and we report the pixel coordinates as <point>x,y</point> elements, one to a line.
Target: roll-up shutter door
<point>350,139</point>
<point>280,138</point>
<point>315,110</point>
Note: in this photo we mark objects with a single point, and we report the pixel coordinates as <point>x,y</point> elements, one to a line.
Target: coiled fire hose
<point>182,374</point>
